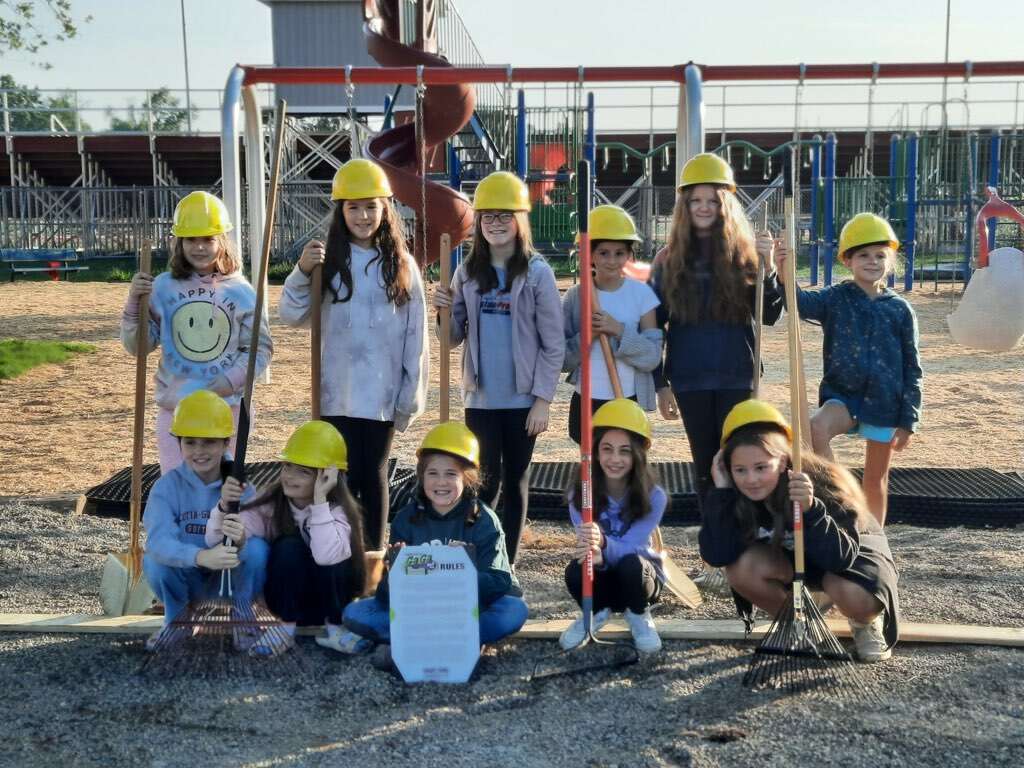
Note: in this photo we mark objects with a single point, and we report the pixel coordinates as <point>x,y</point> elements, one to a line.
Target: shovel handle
<point>138,428</point>
<point>606,350</point>
<point>445,316</point>
<point>316,303</point>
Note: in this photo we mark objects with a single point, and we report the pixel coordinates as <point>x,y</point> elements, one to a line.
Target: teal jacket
<point>418,523</point>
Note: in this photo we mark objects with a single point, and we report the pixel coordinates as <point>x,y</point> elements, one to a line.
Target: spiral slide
<point>446,109</point>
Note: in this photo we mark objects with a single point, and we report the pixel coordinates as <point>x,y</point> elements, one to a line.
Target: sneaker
<point>273,642</point>
<point>870,640</point>
<point>575,634</point>
<point>645,634</point>
<point>712,583</point>
<point>343,641</point>
<point>381,658</point>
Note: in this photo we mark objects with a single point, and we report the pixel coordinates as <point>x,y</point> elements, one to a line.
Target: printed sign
<point>435,615</point>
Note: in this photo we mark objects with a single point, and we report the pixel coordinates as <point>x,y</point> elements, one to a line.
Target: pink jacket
<point>324,528</point>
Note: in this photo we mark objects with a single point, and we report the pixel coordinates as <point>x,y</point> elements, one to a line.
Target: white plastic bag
<point>990,315</point>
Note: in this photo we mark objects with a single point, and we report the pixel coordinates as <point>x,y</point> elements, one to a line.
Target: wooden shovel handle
<point>606,349</point>
<point>759,313</point>
<point>446,325</point>
<point>316,289</point>
<point>138,429</point>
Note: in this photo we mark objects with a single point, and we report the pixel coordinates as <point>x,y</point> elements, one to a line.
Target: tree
<point>21,29</point>
<point>29,111</point>
<point>167,113</point>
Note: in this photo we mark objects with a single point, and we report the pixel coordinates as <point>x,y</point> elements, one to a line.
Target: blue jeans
<point>504,617</point>
<point>177,586</point>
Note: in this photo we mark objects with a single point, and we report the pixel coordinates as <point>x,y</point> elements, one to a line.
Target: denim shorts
<point>867,431</point>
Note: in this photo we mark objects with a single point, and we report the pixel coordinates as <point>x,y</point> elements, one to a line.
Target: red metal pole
<point>586,340</point>
<point>674,74</point>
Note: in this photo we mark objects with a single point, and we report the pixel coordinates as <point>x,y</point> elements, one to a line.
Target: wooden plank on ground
<point>670,629</point>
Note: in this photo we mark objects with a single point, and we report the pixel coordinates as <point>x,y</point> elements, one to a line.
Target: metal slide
<point>446,109</point>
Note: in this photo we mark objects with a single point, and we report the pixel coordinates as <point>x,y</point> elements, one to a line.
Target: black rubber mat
<point>932,497</point>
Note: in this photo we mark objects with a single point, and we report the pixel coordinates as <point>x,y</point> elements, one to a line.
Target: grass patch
<point>18,355</point>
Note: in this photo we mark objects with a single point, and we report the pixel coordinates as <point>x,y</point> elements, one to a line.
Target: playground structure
<point>894,148</point>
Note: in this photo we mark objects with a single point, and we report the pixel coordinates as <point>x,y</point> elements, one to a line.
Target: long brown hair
<point>733,261</point>
<point>478,263</point>
<point>639,485</point>
<point>470,484</point>
<point>389,240</point>
<point>228,261</point>
<point>833,484</point>
<point>283,523</point>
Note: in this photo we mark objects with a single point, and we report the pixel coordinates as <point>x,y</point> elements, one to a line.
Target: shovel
<point>122,590</point>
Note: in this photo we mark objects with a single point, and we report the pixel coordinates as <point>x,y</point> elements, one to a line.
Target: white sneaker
<point>645,634</point>
<point>343,641</point>
<point>870,640</point>
<point>574,635</point>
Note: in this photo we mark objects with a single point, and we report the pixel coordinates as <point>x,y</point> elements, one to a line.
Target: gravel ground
<point>77,700</point>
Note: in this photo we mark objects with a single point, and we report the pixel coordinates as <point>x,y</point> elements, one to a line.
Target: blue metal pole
<point>830,205</point>
<point>993,179</point>
<point>455,181</point>
<point>910,234</point>
<point>590,144</point>
<point>522,160</point>
<point>815,207</point>
<point>972,149</point>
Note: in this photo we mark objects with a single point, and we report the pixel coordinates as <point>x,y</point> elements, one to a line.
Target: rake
<point>576,660</point>
<point>207,636</point>
<point>800,653</point>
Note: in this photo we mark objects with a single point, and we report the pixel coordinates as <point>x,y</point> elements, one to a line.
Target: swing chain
<point>421,141</point>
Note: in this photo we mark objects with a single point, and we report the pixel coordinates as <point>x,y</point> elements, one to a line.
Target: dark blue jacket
<point>419,524</point>
<point>870,350</point>
<point>709,355</point>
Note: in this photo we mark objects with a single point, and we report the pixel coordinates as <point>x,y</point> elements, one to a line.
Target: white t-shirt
<point>628,304</point>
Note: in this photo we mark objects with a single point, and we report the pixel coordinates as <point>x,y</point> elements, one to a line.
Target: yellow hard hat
<point>501,191</point>
<point>609,222</point>
<point>455,438</point>
<point>202,414</point>
<point>200,214</point>
<point>358,180</point>
<point>753,412</point>
<point>865,229</point>
<point>623,413</point>
<point>316,444</point>
<point>707,168</point>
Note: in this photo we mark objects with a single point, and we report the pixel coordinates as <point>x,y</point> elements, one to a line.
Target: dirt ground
<point>69,426</point>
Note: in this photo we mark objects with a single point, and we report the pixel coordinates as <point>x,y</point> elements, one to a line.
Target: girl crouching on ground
<point>314,528</point>
<point>448,510</point>
<point>747,528</point>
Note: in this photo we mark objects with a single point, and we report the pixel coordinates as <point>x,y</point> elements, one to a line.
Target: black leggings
<point>369,445</point>
<point>505,453</point>
<point>299,590</point>
<point>703,414</point>
<point>630,583</point>
<point>575,417</point>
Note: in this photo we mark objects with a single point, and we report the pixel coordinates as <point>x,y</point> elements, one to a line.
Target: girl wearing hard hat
<point>748,521</point>
<point>178,557</point>
<point>625,314</point>
<point>505,307</point>
<point>628,506</point>
<point>373,329</point>
<point>315,531</point>
<point>705,280</point>
<point>447,509</point>
<point>872,381</point>
<point>201,314</point>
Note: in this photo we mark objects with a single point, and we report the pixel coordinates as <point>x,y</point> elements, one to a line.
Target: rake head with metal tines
<point>215,638</point>
<point>799,654</point>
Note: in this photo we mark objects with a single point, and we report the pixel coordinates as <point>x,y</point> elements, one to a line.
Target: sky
<point>138,45</point>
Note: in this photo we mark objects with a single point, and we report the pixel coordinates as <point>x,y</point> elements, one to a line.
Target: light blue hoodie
<point>176,513</point>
